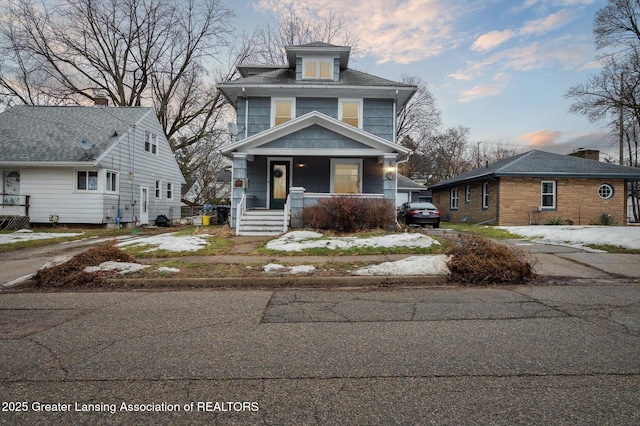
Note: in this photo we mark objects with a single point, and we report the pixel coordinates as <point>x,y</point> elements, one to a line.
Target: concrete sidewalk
<point>552,262</point>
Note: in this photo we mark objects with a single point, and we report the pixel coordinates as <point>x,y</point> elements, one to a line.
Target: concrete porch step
<point>262,222</point>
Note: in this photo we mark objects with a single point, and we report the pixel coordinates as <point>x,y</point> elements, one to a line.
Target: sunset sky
<point>499,67</point>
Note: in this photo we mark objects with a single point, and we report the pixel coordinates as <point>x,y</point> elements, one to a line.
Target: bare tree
<point>292,29</point>
<point>613,94</point>
<point>134,52</point>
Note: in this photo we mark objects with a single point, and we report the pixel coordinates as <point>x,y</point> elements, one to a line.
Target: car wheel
<point>436,225</point>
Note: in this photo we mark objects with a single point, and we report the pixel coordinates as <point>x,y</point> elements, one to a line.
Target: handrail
<point>241,207</point>
<point>287,213</point>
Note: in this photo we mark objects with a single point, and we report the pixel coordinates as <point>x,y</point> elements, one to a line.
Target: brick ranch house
<point>534,188</point>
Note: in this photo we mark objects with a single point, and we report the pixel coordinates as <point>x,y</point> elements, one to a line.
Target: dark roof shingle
<point>44,133</point>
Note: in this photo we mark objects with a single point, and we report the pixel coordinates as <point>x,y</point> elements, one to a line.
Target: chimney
<point>589,154</point>
<point>101,101</point>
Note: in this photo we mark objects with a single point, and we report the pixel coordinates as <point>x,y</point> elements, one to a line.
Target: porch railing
<point>287,213</point>
<point>313,196</point>
<point>240,209</point>
<point>12,204</point>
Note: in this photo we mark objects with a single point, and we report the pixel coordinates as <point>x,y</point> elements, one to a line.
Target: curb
<point>247,283</point>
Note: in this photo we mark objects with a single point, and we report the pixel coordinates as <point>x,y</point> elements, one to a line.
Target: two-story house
<point>312,128</point>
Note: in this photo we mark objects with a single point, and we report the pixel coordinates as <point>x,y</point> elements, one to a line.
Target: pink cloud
<point>540,137</point>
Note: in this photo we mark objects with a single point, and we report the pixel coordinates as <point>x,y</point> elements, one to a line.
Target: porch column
<point>296,199</point>
<point>389,170</point>
<point>238,183</point>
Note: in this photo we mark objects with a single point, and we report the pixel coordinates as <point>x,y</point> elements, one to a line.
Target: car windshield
<point>422,206</point>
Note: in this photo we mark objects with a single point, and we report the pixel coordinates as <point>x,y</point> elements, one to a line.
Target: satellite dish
<point>233,128</point>
<point>85,144</point>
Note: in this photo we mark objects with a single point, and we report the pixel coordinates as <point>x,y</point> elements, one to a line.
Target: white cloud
<point>477,92</point>
<point>491,40</point>
<point>549,23</point>
<point>401,31</point>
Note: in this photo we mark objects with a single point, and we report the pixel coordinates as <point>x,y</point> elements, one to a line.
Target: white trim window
<point>548,194</point>
<point>282,110</point>
<point>350,111</point>
<point>605,191</point>
<point>111,182</point>
<point>485,195</point>
<point>169,190</point>
<point>150,142</point>
<point>453,198</point>
<point>467,194</point>
<point>317,68</point>
<point>346,175</point>
<point>86,180</point>
<point>158,188</point>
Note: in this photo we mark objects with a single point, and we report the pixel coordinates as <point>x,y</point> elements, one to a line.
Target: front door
<point>144,205</point>
<point>278,184</point>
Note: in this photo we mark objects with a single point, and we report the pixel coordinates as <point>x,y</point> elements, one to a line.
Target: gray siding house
<point>310,129</point>
<point>87,165</point>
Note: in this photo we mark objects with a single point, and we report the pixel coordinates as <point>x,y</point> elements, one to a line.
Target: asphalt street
<point>564,353</point>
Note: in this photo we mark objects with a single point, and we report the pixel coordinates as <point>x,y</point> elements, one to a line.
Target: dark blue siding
<point>315,137</point>
<point>327,106</point>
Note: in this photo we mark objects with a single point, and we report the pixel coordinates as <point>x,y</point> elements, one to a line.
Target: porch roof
<point>373,145</point>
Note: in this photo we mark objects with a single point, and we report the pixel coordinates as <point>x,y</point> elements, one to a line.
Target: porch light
<point>301,165</point>
<point>390,171</point>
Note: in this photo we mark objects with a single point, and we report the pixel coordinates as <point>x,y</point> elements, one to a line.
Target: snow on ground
<point>121,267</point>
<point>28,235</point>
<point>413,265</point>
<point>170,242</point>
<point>167,269</point>
<point>299,269</point>
<point>300,240</point>
<point>579,236</point>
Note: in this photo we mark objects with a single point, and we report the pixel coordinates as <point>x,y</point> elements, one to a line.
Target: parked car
<point>419,213</point>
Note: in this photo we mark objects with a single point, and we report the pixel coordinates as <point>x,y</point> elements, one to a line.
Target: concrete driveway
<point>546,354</point>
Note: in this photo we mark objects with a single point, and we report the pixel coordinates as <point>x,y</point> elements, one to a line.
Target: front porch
<point>264,222</point>
<point>14,212</point>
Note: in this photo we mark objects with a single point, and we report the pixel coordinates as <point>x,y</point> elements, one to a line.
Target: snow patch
<point>413,265</point>
<point>167,269</point>
<point>579,236</point>
<point>298,269</point>
<point>170,242</point>
<point>29,235</point>
<point>121,267</point>
<point>301,240</point>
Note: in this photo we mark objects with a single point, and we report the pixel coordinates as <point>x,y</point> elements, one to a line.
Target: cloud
<point>540,138</point>
<point>549,23</point>
<point>500,81</point>
<point>401,31</point>
<point>491,40</point>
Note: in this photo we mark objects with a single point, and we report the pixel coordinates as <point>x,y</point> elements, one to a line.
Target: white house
<point>87,165</point>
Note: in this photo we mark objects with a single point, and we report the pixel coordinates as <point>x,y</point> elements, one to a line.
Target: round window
<point>605,191</point>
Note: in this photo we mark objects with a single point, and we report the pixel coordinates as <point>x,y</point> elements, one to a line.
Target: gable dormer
<point>318,61</point>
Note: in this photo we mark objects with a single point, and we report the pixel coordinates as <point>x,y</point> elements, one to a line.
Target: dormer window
<point>317,69</point>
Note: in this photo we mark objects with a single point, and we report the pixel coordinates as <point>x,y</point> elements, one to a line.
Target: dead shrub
<point>348,214</point>
<point>71,273</point>
<point>476,260</point>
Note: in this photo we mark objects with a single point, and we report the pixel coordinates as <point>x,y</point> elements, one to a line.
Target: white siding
<point>129,158</point>
<point>52,193</point>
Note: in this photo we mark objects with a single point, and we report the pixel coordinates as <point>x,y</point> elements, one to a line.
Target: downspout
<point>246,113</point>
<point>395,119</point>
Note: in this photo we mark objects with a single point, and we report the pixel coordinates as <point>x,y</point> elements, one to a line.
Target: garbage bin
<point>206,220</point>
<point>223,214</point>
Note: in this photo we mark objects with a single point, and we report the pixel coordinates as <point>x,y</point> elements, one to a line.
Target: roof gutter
<point>91,163</point>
